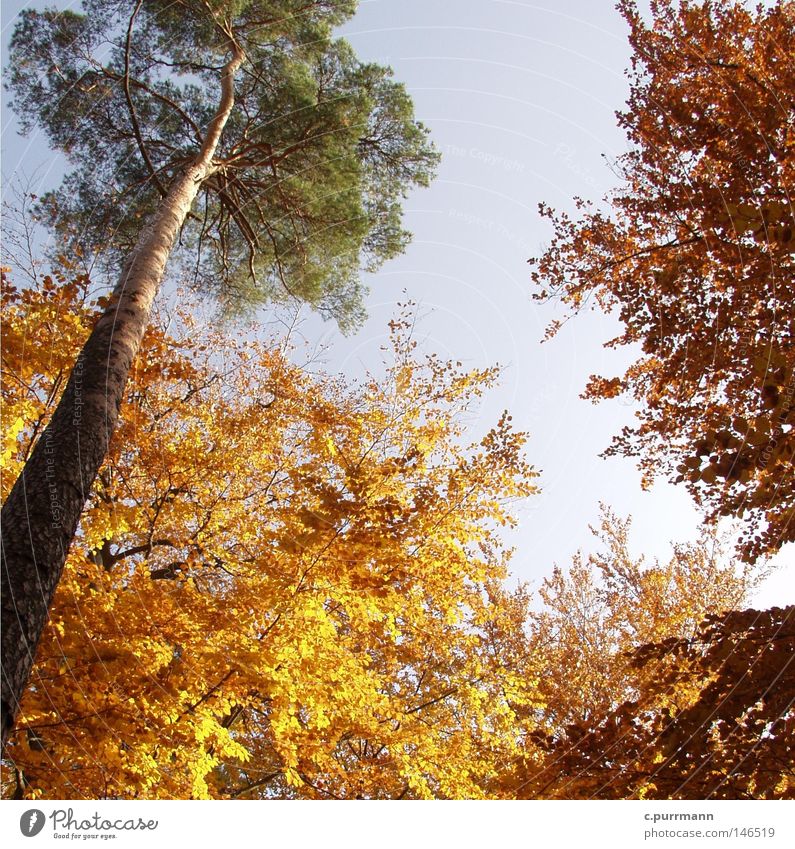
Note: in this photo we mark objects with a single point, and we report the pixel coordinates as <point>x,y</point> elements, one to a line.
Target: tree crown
<point>306,187</point>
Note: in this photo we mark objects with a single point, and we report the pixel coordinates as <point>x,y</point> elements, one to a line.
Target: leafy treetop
<point>696,258</point>
<point>282,585</point>
<point>306,185</point>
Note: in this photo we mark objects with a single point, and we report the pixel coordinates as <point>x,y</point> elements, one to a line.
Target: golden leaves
<point>276,575</point>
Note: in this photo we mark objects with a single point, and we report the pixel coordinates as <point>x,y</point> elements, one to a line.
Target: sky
<point>520,99</point>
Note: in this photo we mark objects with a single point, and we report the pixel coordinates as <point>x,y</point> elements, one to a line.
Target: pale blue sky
<point>520,98</point>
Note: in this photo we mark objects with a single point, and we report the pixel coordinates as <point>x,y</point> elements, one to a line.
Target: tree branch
<point>131,106</point>
<point>255,785</point>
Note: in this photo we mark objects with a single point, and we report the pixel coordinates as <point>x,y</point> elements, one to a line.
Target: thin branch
<point>445,695</point>
<point>131,106</point>
<point>254,785</point>
<point>209,693</point>
<point>146,548</point>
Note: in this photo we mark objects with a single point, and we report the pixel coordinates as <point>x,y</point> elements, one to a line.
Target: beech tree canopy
<point>695,255</point>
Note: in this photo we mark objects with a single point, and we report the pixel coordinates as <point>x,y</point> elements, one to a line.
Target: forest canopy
<point>231,572</point>
<point>286,586</point>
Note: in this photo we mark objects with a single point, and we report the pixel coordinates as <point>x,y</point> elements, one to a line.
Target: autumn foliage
<point>286,585</point>
<point>655,683</point>
<point>713,719</point>
<point>283,584</point>
<point>599,611</point>
<point>694,254</point>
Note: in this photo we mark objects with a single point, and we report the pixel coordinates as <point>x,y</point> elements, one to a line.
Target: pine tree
<point>241,130</point>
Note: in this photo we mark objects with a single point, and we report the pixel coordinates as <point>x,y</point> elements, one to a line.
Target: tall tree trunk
<point>41,514</point>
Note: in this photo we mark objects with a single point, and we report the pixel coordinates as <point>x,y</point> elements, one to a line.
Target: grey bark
<point>42,511</point>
